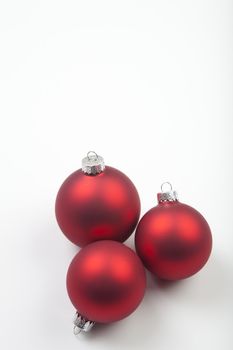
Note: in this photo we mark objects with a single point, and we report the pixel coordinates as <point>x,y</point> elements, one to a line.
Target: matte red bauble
<point>105,282</point>
<point>96,203</point>
<point>173,239</point>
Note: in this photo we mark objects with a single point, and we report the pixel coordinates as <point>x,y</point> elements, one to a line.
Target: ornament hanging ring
<point>94,153</point>
<point>166,183</point>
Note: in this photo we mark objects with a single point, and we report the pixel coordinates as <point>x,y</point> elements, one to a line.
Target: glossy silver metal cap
<point>167,196</point>
<point>93,164</point>
<point>81,324</point>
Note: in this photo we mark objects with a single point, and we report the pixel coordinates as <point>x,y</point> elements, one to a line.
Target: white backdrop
<point>148,85</point>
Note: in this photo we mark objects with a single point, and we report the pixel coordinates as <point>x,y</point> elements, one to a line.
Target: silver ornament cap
<point>93,164</point>
<point>81,324</point>
<point>167,195</point>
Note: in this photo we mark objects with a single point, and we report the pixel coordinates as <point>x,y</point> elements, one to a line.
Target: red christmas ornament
<point>106,282</point>
<point>173,239</point>
<point>96,203</point>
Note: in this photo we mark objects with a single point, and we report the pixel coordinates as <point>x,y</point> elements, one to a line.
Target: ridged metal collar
<point>167,196</point>
<point>93,164</point>
<point>81,324</point>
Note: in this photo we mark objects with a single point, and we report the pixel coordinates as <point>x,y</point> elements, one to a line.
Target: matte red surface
<point>96,207</point>
<point>173,240</point>
<point>106,281</point>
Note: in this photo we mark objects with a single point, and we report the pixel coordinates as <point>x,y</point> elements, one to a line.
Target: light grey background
<point>148,85</point>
